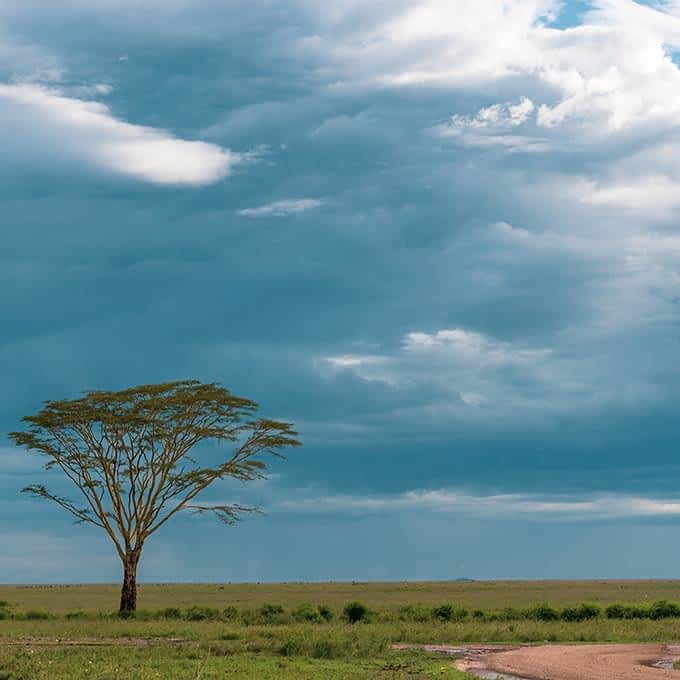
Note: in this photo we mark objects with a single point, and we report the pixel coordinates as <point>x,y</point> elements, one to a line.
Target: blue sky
<point>439,237</point>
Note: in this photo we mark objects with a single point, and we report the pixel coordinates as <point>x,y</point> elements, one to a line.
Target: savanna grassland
<point>305,631</point>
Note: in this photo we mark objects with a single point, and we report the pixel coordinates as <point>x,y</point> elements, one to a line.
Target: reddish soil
<point>578,662</point>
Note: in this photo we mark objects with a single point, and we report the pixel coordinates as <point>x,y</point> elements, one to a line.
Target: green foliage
<point>664,610</point>
<point>415,613</point>
<point>325,612</point>
<point>584,612</point>
<point>197,613</point>
<point>355,612</point>
<point>171,613</point>
<point>542,612</point>
<point>308,613</point>
<point>230,613</point>
<point>271,614</point>
<point>448,612</point>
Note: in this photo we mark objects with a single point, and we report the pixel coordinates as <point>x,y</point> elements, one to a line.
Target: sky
<point>440,238</point>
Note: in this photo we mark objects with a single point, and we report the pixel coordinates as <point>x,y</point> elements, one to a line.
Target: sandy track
<point>578,662</point>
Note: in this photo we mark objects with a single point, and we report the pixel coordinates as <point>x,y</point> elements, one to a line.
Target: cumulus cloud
<point>496,126</point>
<point>283,208</point>
<point>498,506</point>
<point>43,122</point>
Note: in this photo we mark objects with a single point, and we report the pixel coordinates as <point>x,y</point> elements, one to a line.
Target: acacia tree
<point>135,458</point>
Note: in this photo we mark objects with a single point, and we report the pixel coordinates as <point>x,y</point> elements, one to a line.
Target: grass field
<point>281,647</point>
<point>476,594</point>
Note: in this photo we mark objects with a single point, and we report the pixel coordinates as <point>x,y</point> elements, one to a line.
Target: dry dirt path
<point>564,662</point>
<point>579,662</point>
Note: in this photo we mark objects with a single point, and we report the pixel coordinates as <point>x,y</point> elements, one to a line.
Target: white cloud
<point>499,506</point>
<point>495,126</point>
<point>44,122</point>
<point>471,348</point>
<point>352,360</point>
<point>497,116</point>
<point>283,208</point>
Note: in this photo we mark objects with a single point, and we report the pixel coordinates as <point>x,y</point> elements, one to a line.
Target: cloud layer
<point>42,122</point>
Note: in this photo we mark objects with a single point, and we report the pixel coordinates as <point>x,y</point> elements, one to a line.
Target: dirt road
<point>578,662</point>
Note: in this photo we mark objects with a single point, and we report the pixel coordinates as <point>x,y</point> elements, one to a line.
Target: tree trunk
<point>128,593</point>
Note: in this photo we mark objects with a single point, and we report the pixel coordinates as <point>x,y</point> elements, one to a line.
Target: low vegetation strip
<point>356,612</point>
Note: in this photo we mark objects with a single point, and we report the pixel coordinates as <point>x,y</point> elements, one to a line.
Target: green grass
<point>248,646</point>
<point>145,664</point>
<point>479,594</point>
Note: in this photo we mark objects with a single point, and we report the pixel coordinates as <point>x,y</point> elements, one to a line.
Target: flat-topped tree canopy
<point>134,456</point>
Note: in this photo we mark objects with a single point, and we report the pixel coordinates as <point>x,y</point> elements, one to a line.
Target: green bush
<point>542,612</point>
<point>325,612</point>
<point>355,612</point>
<point>415,613</point>
<point>307,613</point>
<point>294,646</point>
<point>196,613</point>
<point>619,611</point>
<point>36,615</point>
<point>447,612</point>
<point>664,610</point>
<point>584,612</point>
<point>170,613</point>
<point>230,613</point>
<point>271,613</point>
<point>507,614</point>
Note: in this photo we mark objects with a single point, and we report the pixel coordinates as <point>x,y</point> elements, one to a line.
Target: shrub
<point>664,610</point>
<point>355,612</point>
<point>307,613</point>
<point>271,613</point>
<point>294,646</point>
<point>171,613</point>
<point>325,612</point>
<point>5,614</point>
<point>478,615</point>
<point>230,613</point>
<point>542,612</point>
<point>415,613</point>
<point>510,614</point>
<point>196,613</point>
<point>76,615</point>
<point>36,615</point>
<point>584,612</point>
<point>619,611</point>
<point>447,612</point>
